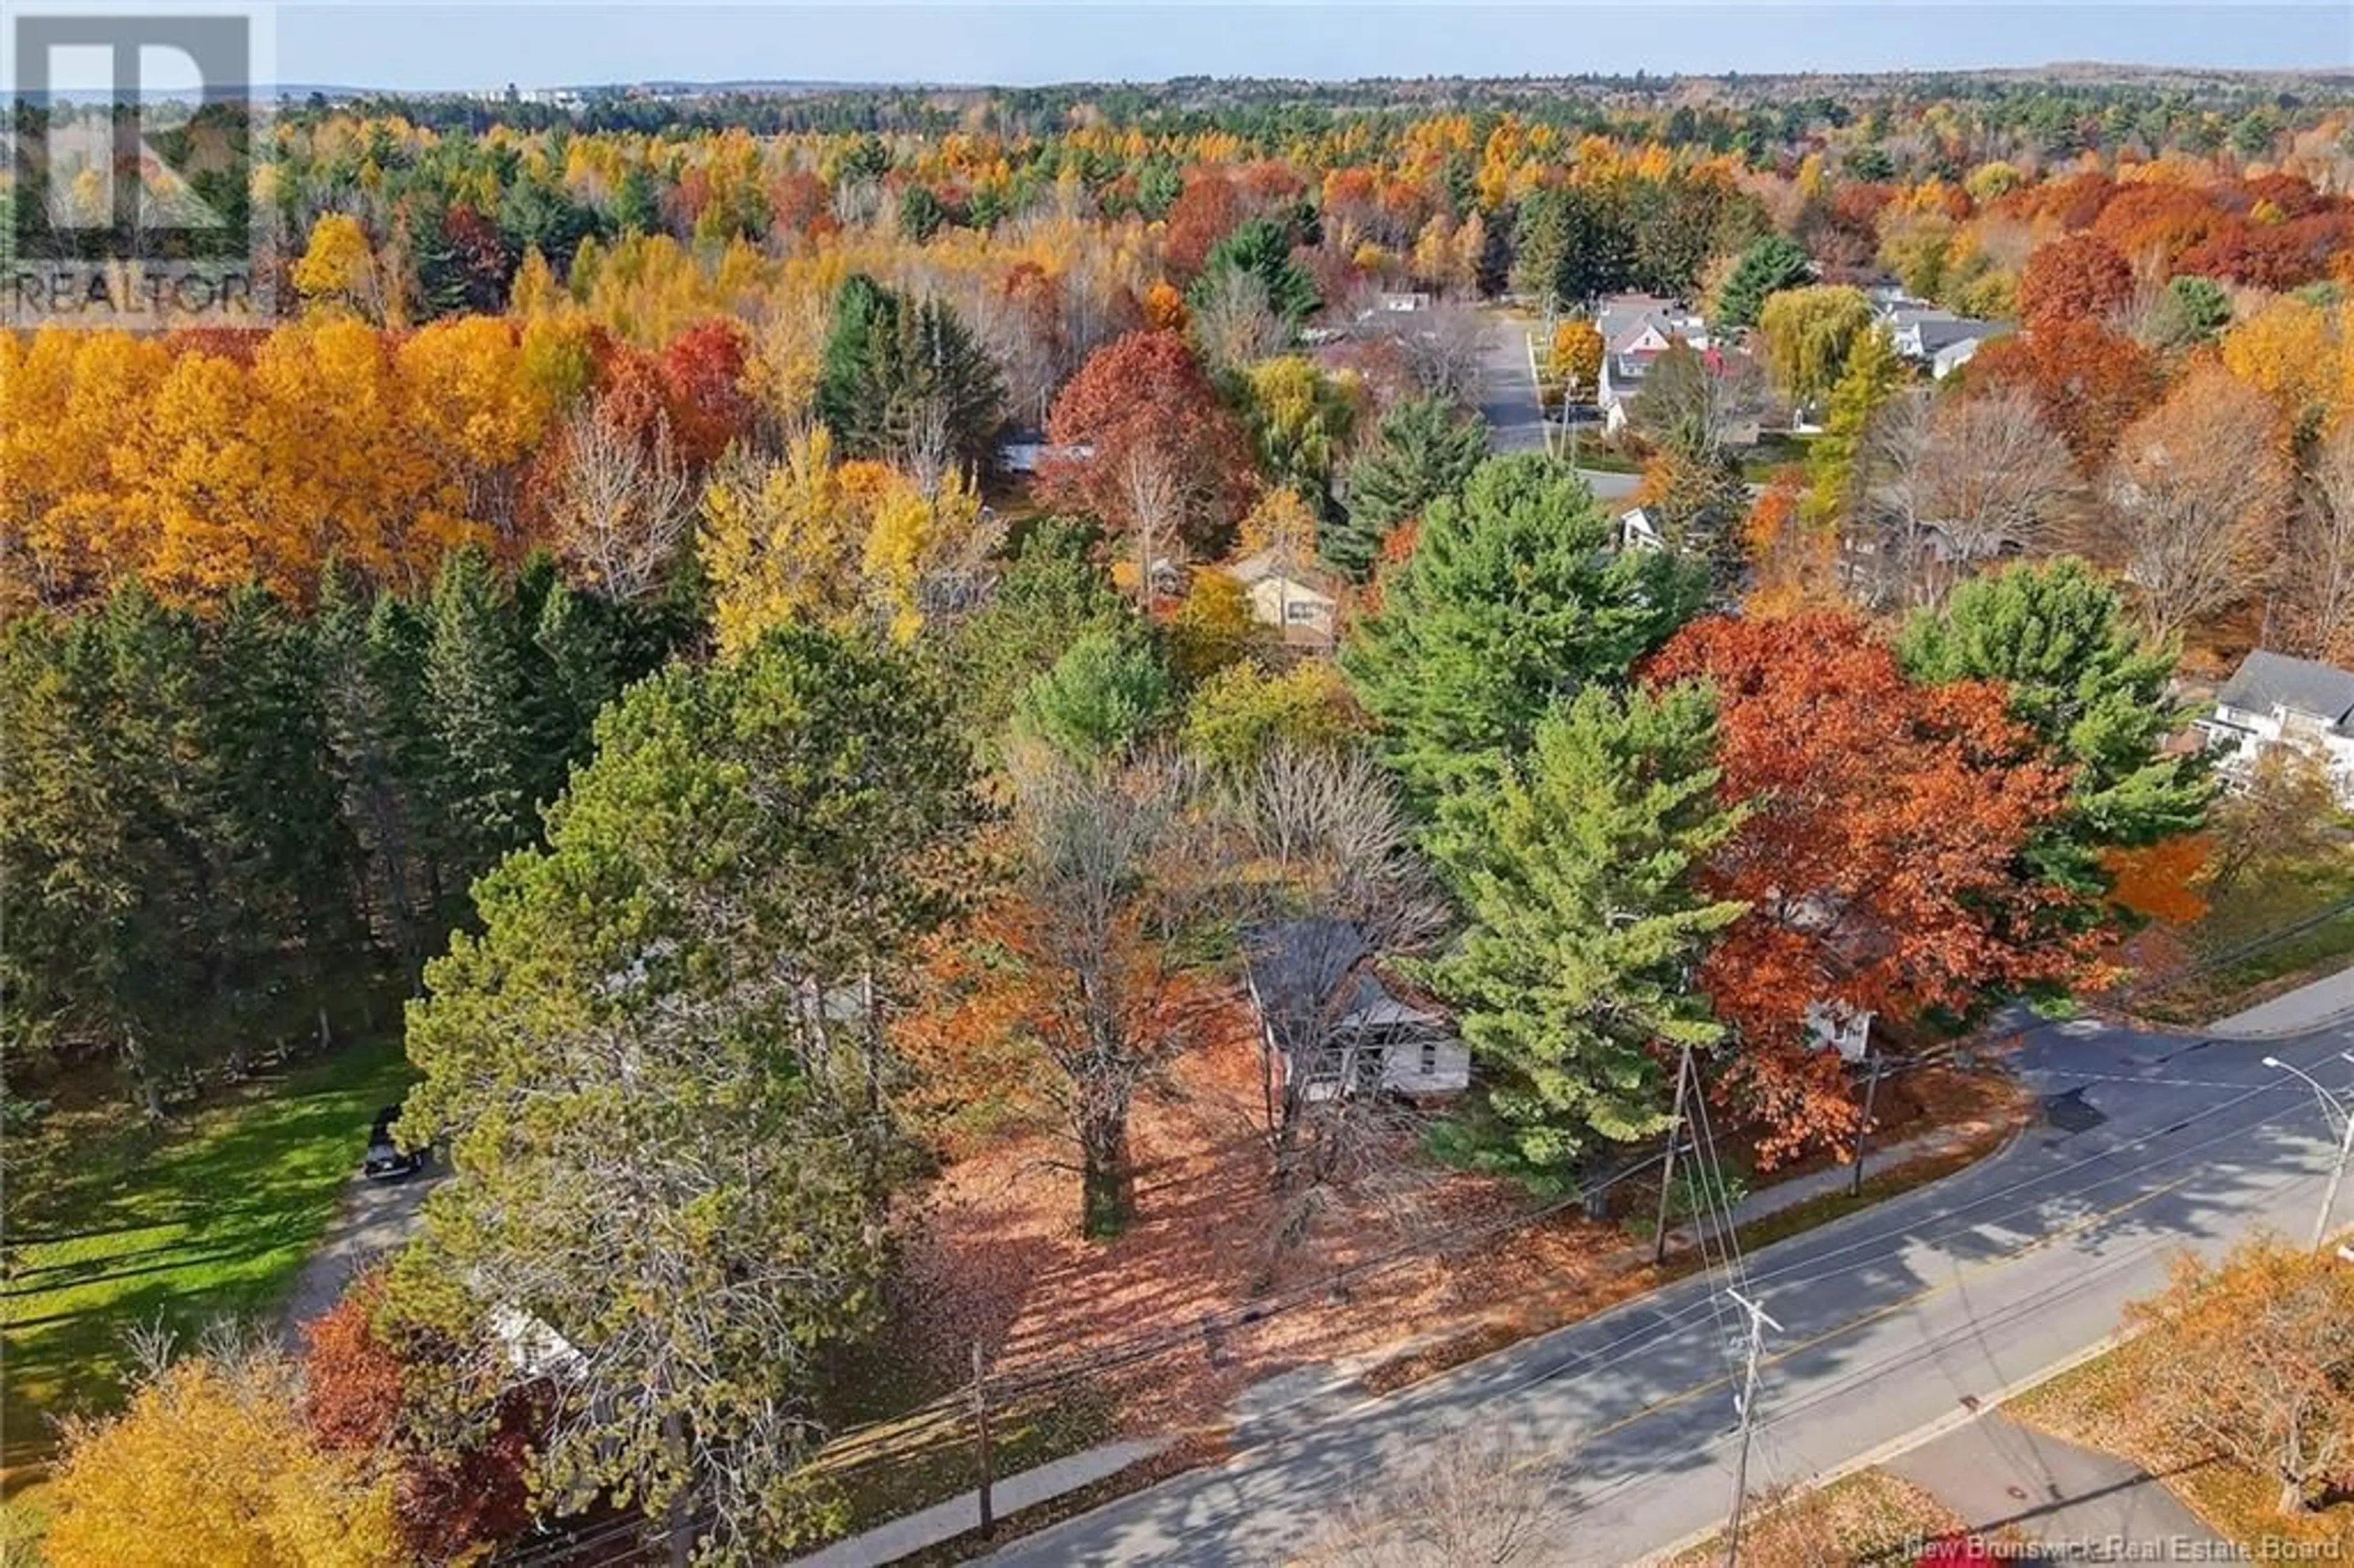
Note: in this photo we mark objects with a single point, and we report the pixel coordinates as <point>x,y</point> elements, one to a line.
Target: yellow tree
<point>780,542</point>
<point>2248,1358</point>
<point>338,268</point>
<point>2289,350</point>
<point>212,1463</point>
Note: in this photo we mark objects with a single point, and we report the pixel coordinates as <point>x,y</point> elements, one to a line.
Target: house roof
<point>2265,681</point>
<point>1311,976</point>
<point>1271,564</point>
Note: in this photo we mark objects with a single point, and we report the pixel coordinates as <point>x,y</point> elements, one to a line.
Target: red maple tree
<point>1879,854</point>
<point>1148,447</point>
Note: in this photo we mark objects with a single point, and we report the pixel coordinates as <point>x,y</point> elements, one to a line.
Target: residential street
<point>1902,1315</point>
<point>1508,401</point>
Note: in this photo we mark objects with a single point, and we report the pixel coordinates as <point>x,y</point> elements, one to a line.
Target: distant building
<point>1025,451</point>
<point>1300,601</point>
<point>1331,1023</point>
<point>1939,341</point>
<point>2275,701</point>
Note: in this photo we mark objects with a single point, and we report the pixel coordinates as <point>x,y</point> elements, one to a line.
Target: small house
<point>1332,1023</point>
<point>1301,602</point>
<point>2275,701</point>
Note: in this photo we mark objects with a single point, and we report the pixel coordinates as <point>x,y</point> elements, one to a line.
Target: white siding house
<point>1297,601</point>
<point>1331,1025</point>
<point>2275,701</point>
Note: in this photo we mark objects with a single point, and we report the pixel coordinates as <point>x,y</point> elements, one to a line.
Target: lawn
<point>112,1225</point>
<point>2094,1404</point>
<point>1870,1517</point>
<point>2243,928</point>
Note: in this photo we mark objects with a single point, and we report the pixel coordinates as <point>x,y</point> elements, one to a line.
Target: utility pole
<point>1747,1405</point>
<point>1668,1166</point>
<point>2344,1114</point>
<point>980,1441</point>
<point>1864,1127</point>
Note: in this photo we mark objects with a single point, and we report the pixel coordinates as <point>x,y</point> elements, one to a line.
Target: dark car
<point>387,1160</point>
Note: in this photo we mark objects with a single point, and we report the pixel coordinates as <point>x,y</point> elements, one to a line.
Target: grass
<point>2265,899</point>
<point>2095,1404</point>
<point>112,1225</point>
<point>1870,1517</point>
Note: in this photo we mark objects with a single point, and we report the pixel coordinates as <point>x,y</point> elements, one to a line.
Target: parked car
<point>387,1160</point>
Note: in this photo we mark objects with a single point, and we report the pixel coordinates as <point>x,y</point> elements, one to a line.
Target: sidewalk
<point>2324,1002</point>
<point>928,1527</point>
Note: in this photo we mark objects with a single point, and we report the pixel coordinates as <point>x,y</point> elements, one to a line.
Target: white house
<point>1636,329</point>
<point>1939,341</point>
<point>1297,601</point>
<point>2274,701</point>
<point>1331,1024</point>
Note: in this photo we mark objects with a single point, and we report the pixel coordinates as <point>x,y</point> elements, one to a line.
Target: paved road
<point>1891,1320</point>
<point>1998,1474</point>
<point>1508,401</point>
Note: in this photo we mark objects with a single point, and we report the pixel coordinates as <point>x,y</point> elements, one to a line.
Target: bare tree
<point>2196,493</point>
<point>2319,563</point>
<point>623,504</point>
<point>1475,1498</point>
<point>1154,492</point>
<point>1953,483</point>
<point>1332,885</point>
<point>1234,323</point>
<point>1442,348</point>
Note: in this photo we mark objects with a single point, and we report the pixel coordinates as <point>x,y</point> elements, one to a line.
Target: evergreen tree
<point>637,206</point>
<point>1423,448</point>
<point>287,857</point>
<point>1053,594</point>
<point>1261,248</point>
<point>486,767</point>
<point>662,1067</point>
<point>1771,263</point>
<point>1512,598</point>
<point>898,378</point>
<point>1102,700</point>
<point>2061,639</point>
<point>1578,875</point>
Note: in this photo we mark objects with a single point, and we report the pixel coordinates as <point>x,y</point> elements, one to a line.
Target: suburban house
<point>1025,451</point>
<point>2276,701</point>
<point>1636,329</point>
<point>1331,1023</point>
<point>1299,600</point>
<point>1938,340</point>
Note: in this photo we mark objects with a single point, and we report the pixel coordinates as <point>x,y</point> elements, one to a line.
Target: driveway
<point>372,1220</point>
<point>2064,1500</point>
<point>1944,1298</point>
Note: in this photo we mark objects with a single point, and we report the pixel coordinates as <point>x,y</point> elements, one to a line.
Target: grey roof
<point>1299,969</point>
<point>2267,681</point>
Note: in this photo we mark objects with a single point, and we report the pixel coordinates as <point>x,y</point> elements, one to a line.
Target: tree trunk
<point>1107,1185</point>
<point>2292,1499</point>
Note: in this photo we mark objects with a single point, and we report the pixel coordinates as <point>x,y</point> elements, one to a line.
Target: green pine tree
<point>2061,640</point>
<point>487,763</point>
<point>1572,982</point>
<point>1511,601</point>
<point>1774,262</point>
<point>1423,448</point>
<point>663,1069</point>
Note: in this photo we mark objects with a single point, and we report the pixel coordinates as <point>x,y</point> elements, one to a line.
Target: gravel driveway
<point>373,1218</point>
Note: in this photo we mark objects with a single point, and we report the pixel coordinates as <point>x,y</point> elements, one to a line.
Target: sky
<point>462,45</point>
<point>553,43</point>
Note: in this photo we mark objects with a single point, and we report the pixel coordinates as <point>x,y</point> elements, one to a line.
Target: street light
<point>2345,1144</point>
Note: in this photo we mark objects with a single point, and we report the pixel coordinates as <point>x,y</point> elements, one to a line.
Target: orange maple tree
<point>2089,382</point>
<point>1879,854</point>
<point>2079,279</point>
<point>1147,446</point>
